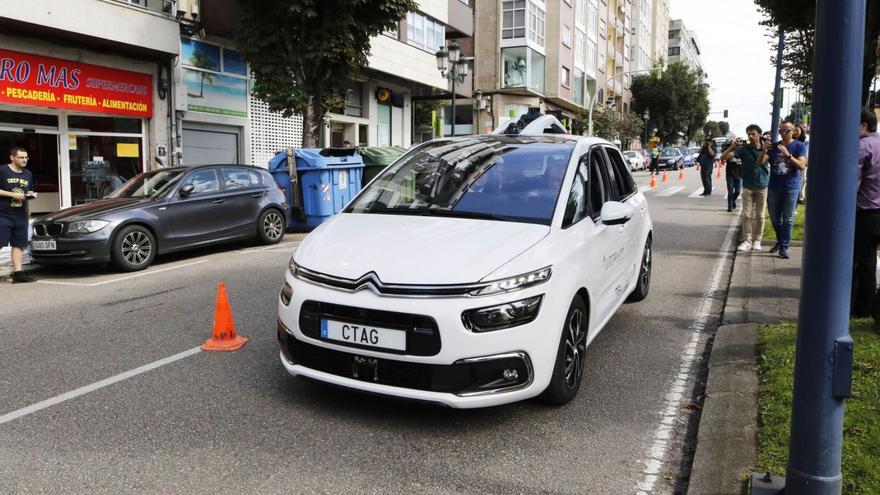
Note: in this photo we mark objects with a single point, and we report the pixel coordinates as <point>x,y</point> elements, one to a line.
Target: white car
<point>472,272</point>
<point>635,159</point>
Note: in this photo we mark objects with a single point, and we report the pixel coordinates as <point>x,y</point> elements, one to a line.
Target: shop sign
<point>50,82</point>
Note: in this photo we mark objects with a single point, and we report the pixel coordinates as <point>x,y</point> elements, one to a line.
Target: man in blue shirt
<point>787,159</point>
<point>16,186</point>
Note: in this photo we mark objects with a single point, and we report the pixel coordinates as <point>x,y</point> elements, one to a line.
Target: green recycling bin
<point>377,158</point>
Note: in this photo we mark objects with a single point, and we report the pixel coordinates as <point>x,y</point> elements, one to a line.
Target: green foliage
<point>676,100</point>
<point>711,129</point>
<point>800,112</point>
<point>797,20</point>
<point>861,431</point>
<point>303,53</point>
<point>724,127</point>
<point>610,124</point>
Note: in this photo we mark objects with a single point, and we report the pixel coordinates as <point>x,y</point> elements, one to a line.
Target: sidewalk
<point>763,289</point>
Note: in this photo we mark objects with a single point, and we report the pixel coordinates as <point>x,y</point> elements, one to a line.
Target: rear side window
<point>597,182</point>
<point>236,178</point>
<point>622,176</point>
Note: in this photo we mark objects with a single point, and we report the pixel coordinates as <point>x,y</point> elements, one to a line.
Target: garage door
<point>204,147</point>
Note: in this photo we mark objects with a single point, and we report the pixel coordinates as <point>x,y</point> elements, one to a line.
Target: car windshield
<point>148,185</point>
<point>670,152</point>
<point>631,154</point>
<point>505,178</point>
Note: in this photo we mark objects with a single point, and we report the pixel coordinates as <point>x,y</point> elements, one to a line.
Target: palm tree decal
<point>200,60</point>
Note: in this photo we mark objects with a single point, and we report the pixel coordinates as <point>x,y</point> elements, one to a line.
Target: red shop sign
<point>50,82</point>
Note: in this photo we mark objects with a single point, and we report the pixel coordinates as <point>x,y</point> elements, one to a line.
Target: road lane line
<point>661,438</point>
<point>696,192</point>
<point>669,191</point>
<point>95,386</point>
<point>274,247</point>
<point>120,279</point>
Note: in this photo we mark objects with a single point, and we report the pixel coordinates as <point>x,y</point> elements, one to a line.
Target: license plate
<point>43,245</point>
<point>366,335</point>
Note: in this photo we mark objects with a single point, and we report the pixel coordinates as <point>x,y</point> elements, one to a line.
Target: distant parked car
<point>689,160</point>
<point>163,211</point>
<point>646,157</point>
<point>695,152</point>
<point>671,158</point>
<point>635,160</point>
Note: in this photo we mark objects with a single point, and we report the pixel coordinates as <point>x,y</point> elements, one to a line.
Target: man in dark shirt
<point>706,159</point>
<point>864,296</point>
<point>733,173</point>
<point>16,186</point>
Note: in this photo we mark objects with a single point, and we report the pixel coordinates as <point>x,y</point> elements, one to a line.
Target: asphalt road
<point>237,423</point>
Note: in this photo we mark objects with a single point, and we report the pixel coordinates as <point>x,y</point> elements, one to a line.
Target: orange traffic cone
<point>718,173</point>
<point>681,174</point>
<point>224,337</point>
<point>653,180</point>
<point>664,177</point>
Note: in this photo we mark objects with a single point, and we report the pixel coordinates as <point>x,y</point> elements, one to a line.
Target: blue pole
<point>823,359</point>
<point>777,88</point>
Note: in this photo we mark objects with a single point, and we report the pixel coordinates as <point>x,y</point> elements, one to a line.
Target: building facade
<point>92,107</point>
<point>684,47</point>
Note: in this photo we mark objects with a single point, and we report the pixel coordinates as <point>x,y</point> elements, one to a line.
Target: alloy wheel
<point>136,248</point>
<point>575,347</point>
<point>273,226</point>
<point>646,267</point>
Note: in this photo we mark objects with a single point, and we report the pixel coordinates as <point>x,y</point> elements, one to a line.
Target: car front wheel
<point>643,284</point>
<point>270,227</point>
<point>569,367</point>
<point>133,248</point>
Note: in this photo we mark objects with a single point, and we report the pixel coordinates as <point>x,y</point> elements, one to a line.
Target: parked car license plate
<point>43,245</point>
<point>386,338</point>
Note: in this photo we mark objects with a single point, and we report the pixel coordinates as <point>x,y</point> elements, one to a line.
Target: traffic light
<point>725,114</point>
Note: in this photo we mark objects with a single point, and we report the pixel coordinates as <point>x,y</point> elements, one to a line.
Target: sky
<point>736,54</point>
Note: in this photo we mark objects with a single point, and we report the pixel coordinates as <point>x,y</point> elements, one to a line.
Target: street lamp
<point>453,67</point>
<point>646,115</point>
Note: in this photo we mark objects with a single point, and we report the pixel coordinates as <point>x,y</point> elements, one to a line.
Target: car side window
<point>597,183</point>
<point>203,181</point>
<point>234,178</point>
<point>255,178</point>
<point>622,176</point>
<point>576,206</point>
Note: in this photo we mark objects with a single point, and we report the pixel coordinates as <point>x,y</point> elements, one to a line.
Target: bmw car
<point>671,158</point>
<point>162,211</point>
<point>472,272</point>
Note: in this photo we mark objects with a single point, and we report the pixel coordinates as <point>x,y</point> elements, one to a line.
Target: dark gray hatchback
<point>163,211</point>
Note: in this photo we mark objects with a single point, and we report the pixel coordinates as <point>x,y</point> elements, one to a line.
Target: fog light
<point>511,374</point>
<point>286,294</point>
<point>503,315</point>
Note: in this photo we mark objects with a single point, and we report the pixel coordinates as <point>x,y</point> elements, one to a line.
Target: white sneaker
<point>745,246</point>
<point>756,246</point>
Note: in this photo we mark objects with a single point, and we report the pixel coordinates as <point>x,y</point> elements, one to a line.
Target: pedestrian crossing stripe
<point>670,191</point>
<point>696,192</point>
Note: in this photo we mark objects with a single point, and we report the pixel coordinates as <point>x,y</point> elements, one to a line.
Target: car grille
<point>422,334</point>
<point>48,229</point>
<point>371,281</point>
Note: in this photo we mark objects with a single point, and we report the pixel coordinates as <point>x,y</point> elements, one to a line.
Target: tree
<point>676,100</point>
<point>612,125</point>
<point>303,53</point>
<point>710,129</point>
<point>800,112</point>
<point>724,127</point>
<point>797,20</point>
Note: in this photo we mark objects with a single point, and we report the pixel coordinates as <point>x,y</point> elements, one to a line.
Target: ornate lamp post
<point>646,115</point>
<point>453,67</point>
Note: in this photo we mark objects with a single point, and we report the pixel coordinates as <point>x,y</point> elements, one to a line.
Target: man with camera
<point>755,178</point>
<point>787,158</point>
<point>16,187</point>
<point>706,158</point>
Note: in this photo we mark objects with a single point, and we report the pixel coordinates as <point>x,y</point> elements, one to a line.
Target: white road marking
<point>677,389</point>
<point>669,191</point>
<point>696,192</point>
<point>95,386</point>
<point>286,245</point>
<point>120,279</point>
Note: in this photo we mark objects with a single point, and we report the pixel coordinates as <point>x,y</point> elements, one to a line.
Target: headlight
<point>502,316</point>
<point>86,226</point>
<point>514,283</point>
<point>292,267</point>
<point>286,294</point>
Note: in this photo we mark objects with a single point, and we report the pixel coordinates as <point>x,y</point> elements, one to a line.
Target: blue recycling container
<point>279,170</point>
<point>330,178</point>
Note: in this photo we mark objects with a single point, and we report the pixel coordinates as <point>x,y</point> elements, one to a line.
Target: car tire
<point>133,248</point>
<point>643,283</point>
<point>568,370</point>
<point>270,226</point>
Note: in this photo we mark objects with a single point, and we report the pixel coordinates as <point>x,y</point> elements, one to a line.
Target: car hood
<point>95,209</point>
<point>403,249</point>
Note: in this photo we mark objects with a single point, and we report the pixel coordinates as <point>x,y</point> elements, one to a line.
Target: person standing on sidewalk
<point>787,161</point>
<point>755,177</point>
<point>865,297</point>
<point>706,159</point>
<point>733,173</point>
<point>16,185</point>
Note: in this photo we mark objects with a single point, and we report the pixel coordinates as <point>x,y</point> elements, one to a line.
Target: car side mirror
<point>616,213</point>
<point>187,190</point>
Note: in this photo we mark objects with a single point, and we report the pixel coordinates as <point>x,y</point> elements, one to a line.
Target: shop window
<point>28,119</point>
<point>84,123</point>
<point>101,164</point>
<point>383,125</point>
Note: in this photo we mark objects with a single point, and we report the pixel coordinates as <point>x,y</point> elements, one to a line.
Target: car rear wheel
<point>134,248</point>
<point>569,367</point>
<point>643,284</point>
<point>270,228</point>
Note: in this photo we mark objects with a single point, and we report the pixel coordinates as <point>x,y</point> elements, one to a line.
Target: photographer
<point>787,161</point>
<point>755,177</point>
<point>706,158</point>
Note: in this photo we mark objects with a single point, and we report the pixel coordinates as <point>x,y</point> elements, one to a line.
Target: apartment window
<point>522,67</point>
<point>391,33</point>
<point>580,48</point>
<point>536,24</point>
<point>566,76</point>
<point>603,28</point>
<point>674,51</point>
<point>674,34</point>
<point>591,54</point>
<point>513,19</point>
<point>424,32</point>
<point>354,100</point>
<point>592,20</point>
<point>580,13</point>
<point>566,35</point>
<point>578,90</point>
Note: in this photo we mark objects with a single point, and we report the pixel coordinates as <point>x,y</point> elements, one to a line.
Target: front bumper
<point>465,370</point>
<point>87,248</point>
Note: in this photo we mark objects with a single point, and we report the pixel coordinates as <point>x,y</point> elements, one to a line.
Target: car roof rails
<point>532,123</point>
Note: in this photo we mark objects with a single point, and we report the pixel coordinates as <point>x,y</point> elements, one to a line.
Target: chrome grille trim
<point>372,282</point>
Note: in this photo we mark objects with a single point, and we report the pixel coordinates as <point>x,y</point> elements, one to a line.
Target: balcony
<point>158,6</point>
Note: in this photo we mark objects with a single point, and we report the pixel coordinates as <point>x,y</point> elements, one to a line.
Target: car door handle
<point>217,201</point>
<point>257,195</point>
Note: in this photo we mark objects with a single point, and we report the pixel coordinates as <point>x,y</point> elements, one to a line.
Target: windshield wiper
<point>436,212</point>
